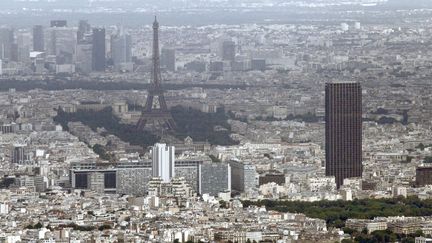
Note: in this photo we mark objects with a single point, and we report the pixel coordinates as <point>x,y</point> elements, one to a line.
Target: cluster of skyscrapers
<point>63,49</point>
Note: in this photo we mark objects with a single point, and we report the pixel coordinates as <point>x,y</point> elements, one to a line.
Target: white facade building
<point>163,161</point>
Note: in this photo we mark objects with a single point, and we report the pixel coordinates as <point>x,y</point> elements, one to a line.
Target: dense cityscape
<point>257,128</point>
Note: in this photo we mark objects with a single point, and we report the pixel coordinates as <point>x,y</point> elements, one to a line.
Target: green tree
<point>347,241</point>
<point>349,231</point>
<point>104,227</point>
<point>38,226</point>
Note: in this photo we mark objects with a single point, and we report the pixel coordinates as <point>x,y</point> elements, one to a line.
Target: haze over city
<point>227,121</point>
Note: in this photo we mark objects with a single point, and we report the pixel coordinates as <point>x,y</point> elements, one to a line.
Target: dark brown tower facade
<point>343,130</point>
<point>155,111</point>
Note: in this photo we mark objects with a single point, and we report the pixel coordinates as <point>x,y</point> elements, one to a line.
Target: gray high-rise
<point>121,49</point>
<point>243,176</point>
<point>6,43</point>
<point>99,48</point>
<point>214,178</point>
<point>38,38</point>
<point>343,130</point>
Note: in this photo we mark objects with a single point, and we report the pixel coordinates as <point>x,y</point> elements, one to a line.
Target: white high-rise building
<point>163,161</point>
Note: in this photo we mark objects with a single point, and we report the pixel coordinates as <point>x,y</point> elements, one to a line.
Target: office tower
<point>1,67</point>
<point>99,49</point>
<point>38,38</point>
<point>62,43</point>
<point>168,59</point>
<point>343,130</point>
<point>83,28</point>
<point>18,154</point>
<point>163,161</point>
<point>423,176</point>
<point>24,45</point>
<point>214,178</point>
<point>58,23</point>
<point>121,51</point>
<point>84,58</point>
<point>243,176</point>
<point>228,51</point>
<point>6,43</point>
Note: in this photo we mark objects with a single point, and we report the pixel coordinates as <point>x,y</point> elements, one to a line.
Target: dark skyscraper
<point>38,38</point>
<point>343,117</point>
<point>99,49</point>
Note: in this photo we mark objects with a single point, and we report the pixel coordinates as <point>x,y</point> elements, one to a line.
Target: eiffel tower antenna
<point>155,112</point>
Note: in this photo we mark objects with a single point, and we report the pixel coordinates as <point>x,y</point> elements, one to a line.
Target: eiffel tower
<point>155,112</point>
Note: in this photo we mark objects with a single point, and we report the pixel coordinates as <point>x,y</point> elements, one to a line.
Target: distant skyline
<point>23,13</point>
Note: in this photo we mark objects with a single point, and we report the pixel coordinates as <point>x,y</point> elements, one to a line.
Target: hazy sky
<point>19,4</point>
<point>195,12</point>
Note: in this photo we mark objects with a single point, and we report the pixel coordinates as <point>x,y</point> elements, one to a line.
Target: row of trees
<point>200,125</point>
<point>337,212</point>
<point>379,236</point>
<point>110,122</point>
<point>59,83</point>
<point>308,117</point>
<point>103,153</point>
<point>190,122</point>
<point>85,227</point>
